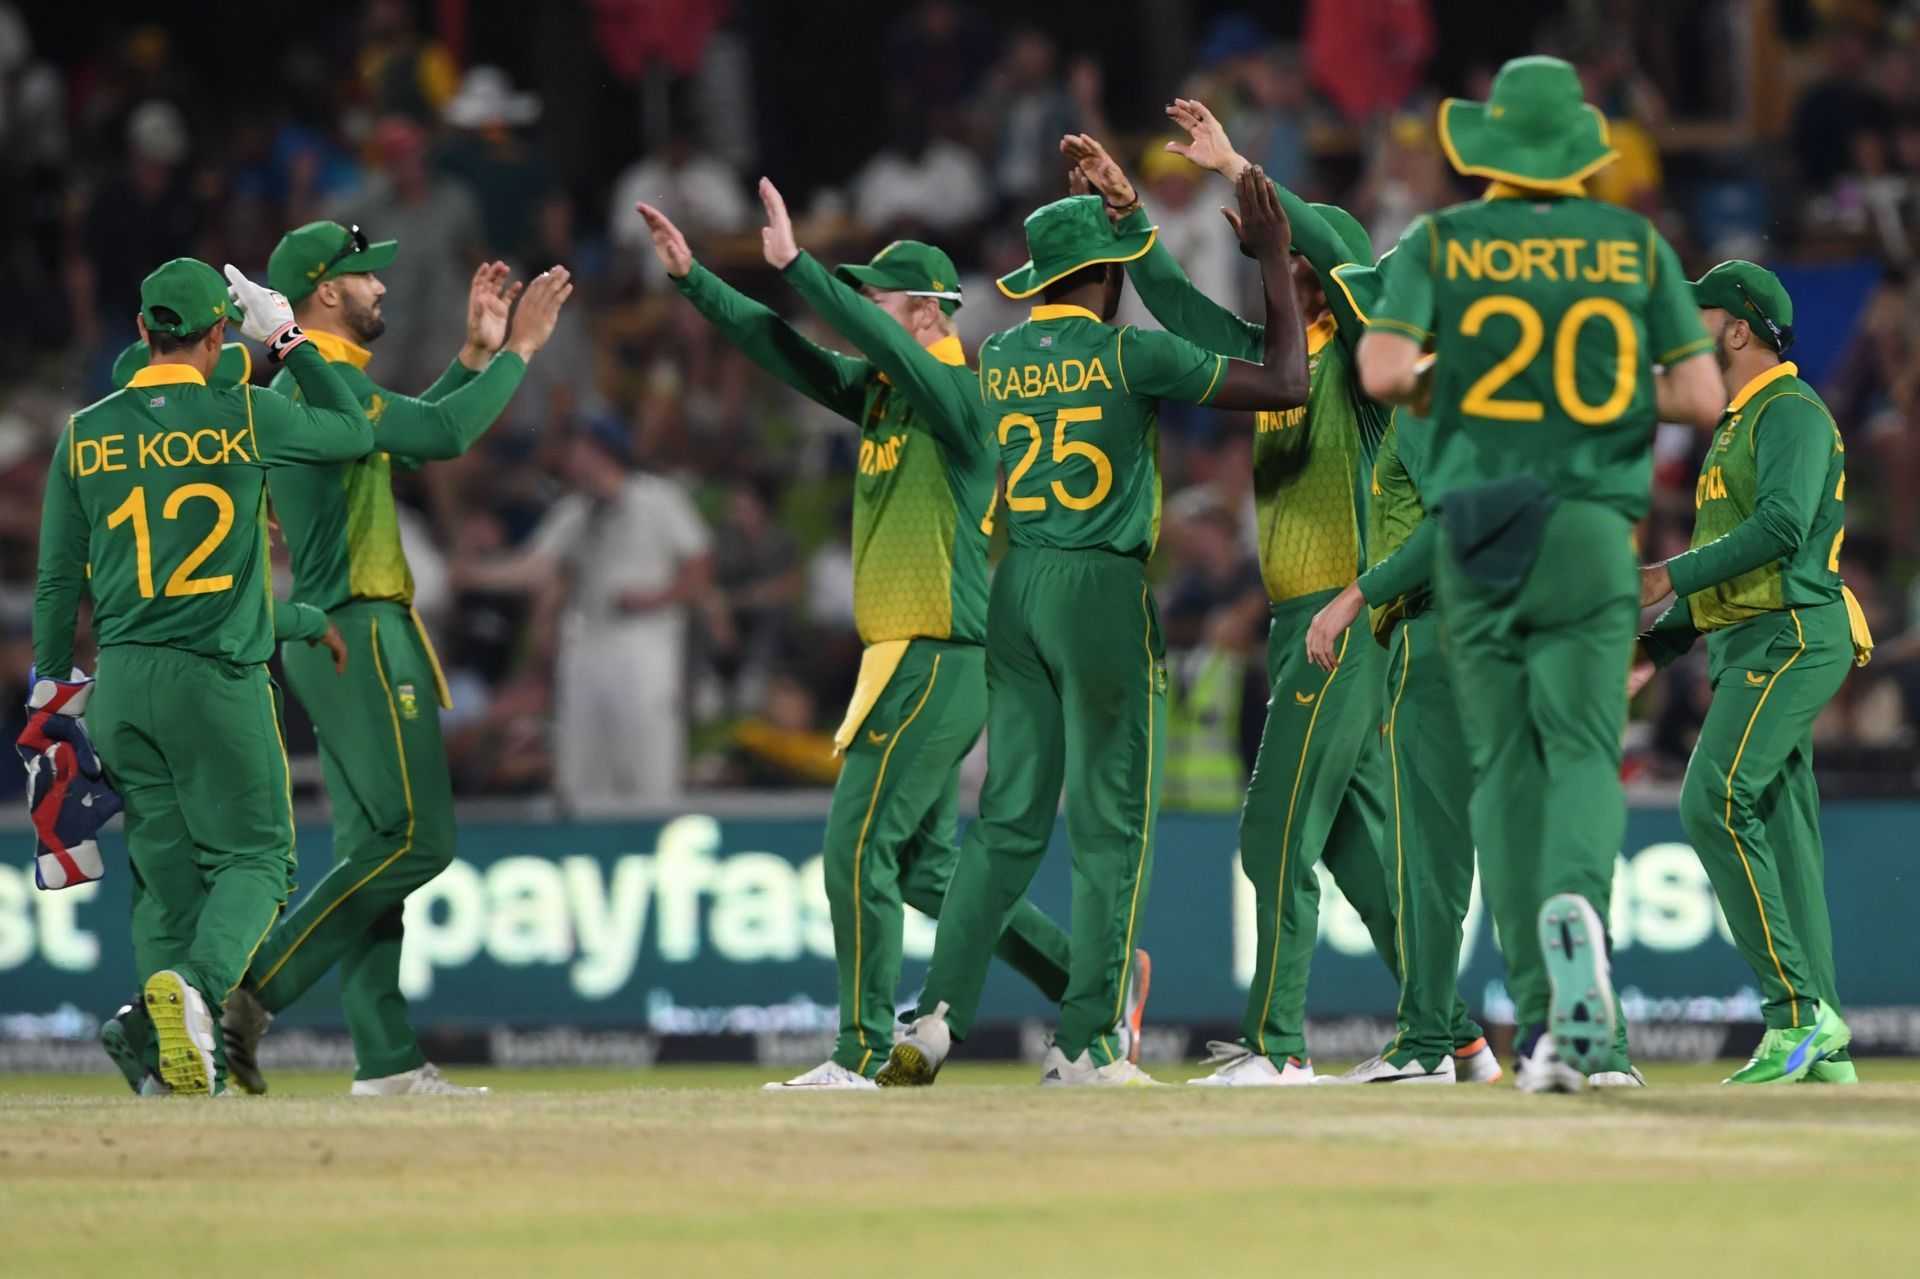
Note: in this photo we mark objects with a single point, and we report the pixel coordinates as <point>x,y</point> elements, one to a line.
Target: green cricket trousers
<point>393,830</point>
<point>1751,807</point>
<point>890,840</point>
<point>193,746</point>
<point>1076,695</point>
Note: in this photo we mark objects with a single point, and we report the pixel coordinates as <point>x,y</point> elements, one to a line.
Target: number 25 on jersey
<point>1063,449</point>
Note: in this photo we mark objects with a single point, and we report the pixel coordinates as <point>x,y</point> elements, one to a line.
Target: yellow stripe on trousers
<point>406,787</point>
<point>860,848</point>
<point>1766,930</point>
<point>1146,822</point>
<point>1286,838</point>
<point>1399,850</point>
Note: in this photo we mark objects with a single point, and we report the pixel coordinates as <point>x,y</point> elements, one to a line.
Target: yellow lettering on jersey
<point>1267,420</point>
<point>103,454</point>
<point>208,446</point>
<point>1709,487</point>
<point>1553,260</point>
<point>1059,377</point>
<point>879,458</point>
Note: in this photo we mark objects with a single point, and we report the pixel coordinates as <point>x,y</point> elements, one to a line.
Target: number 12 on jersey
<point>1063,449</point>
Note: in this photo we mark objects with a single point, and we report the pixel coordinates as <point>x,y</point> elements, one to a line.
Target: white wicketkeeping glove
<point>265,315</point>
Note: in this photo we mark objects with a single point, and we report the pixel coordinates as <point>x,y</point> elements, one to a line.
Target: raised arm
<point>827,377</point>
<point>1279,381</point>
<point>489,301</point>
<point>327,426</point>
<point>63,566</point>
<point>1164,287</point>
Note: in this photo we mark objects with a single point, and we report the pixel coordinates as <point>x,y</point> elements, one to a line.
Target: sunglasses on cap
<point>1782,337</point>
<point>356,243</point>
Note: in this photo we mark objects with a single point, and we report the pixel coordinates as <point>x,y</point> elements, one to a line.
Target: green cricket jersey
<point>1547,315</point>
<point>1310,462</point>
<point>1396,514</point>
<point>342,530</point>
<point>157,504</point>
<point>923,494</point>
<point>1075,407</point>
<point>1769,503</point>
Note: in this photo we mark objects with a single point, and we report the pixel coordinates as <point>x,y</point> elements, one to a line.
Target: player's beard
<point>365,321</point>
<point>1722,356</point>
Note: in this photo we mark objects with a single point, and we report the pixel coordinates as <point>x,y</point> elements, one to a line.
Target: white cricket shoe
<point>1542,1070</point>
<point>1238,1066</point>
<point>828,1076</point>
<point>1378,1070</point>
<point>1628,1078</point>
<point>183,1033</point>
<point>421,1081</point>
<point>1057,1072</point>
<point>1477,1063</point>
<point>918,1055</point>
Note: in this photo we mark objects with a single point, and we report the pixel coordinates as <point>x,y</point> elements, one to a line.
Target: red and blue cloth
<point>67,796</point>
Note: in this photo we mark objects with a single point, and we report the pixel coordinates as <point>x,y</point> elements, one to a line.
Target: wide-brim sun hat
<point>1066,236</point>
<point>1536,129</point>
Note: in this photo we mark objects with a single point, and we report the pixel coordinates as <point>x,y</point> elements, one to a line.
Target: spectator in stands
<point>1028,106</point>
<point>757,577</point>
<point>402,72</point>
<point>700,192</point>
<point>1190,225</point>
<point>437,222</point>
<point>491,156</point>
<point>924,184</point>
<point>624,556</point>
<point>937,54</point>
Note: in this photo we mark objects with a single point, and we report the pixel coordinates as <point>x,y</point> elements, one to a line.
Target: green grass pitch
<point>692,1171</point>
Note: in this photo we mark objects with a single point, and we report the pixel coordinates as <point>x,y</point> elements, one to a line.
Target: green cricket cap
<point>1748,291</point>
<point>911,267</point>
<point>185,296</point>
<point>1536,128</point>
<point>320,251</point>
<point>1067,235</point>
<point>235,365</point>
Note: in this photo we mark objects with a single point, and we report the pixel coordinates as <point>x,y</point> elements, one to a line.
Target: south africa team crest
<point>409,703</point>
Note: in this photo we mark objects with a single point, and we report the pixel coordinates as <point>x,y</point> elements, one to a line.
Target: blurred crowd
<point>656,509</point>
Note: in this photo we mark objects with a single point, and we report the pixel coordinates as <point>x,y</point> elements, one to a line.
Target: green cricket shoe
<point>127,1037</point>
<point>1786,1055</point>
<point>1580,1015</point>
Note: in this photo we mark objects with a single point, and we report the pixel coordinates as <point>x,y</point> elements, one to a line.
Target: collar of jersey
<point>1514,191</point>
<point>947,350</point>
<point>1041,314</point>
<point>339,350</point>
<point>1321,332</point>
<point>166,375</point>
<point>1786,368</point>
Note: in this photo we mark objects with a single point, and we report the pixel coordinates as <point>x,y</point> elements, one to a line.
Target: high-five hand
<point>489,303</point>
<point>265,315</point>
<point>776,238</point>
<point>539,311</point>
<point>1261,223</point>
<point>1101,171</point>
<point>668,244</point>
<point>1207,146</point>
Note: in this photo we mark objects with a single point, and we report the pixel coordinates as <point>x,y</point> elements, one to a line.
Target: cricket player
<point>922,511</point>
<point>1551,316</point>
<point>156,505</point>
<point>1762,582</point>
<point>378,722</point>
<point>1076,680</point>
<point>1320,784</point>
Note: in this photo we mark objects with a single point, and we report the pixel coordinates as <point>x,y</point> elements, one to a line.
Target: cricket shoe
<point>183,1031</point>
<point>127,1037</point>
<point>421,1081</point>
<point>1628,1078</point>
<point>1477,1063</point>
<point>1057,1072</point>
<point>828,1076</point>
<point>1580,1014</point>
<point>917,1056</point>
<point>242,1024</point>
<point>1237,1066</point>
<point>1831,1071</point>
<point>1539,1068</point>
<point>1134,1004</point>
<point>1787,1055</point>
<point>1378,1070</point>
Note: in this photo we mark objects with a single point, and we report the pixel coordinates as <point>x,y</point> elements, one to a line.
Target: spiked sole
<point>1580,1016</point>
<point>184,1065</point>
<point>907,1067</point>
